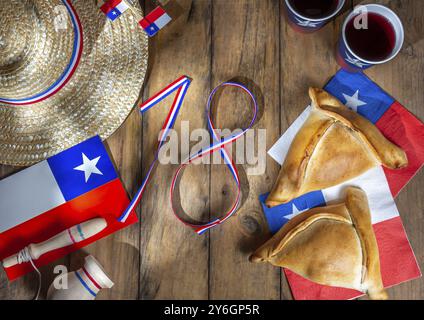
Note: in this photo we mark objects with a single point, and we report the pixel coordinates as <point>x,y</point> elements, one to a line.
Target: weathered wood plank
<point>245,39</point>
<point>119,253</point>
<point>174,259</point>
<point>214,41</point>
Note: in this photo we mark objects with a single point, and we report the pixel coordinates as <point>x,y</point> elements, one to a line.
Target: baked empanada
<point>334,145</point>
<point>333,245</point>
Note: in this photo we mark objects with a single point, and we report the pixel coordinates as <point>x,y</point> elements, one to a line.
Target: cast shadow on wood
<point>123,272</point>
<point>27,284</point>
<point>244,181</point>
<point>254,89</point>
<point>250,222</point>
<point>253,226</point>
<point>257,93</point>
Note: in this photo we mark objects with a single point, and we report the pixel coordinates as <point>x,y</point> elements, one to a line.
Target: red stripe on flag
<point>155,14</point>
<point>398,264</point>
<point>109,5</point>
<point>144,23</point>
<point>404,129</point>
<point>96,203</point>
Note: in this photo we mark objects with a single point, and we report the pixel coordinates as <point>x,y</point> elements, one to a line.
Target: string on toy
<point>25,256</point>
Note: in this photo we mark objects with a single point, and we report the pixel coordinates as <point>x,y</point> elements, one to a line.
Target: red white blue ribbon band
<point>180,85</point>
<point>219,143</point>
<point>69,70</point>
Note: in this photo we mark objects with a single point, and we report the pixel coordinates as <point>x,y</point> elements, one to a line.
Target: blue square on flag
<point>360,94</point>
<point>114,8</point>
<point>279,215</point>
<point>154,21</point>
<point>82,168</point>
<point>151,30</point>
<point>114,14</point>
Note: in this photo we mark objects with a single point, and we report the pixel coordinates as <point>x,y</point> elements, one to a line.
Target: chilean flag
<point>114,8</point>
<point>154,21</point>
<point>398,262</point>
<point>71,187</point>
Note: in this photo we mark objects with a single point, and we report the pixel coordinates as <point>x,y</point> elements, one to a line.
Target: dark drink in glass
<point>373,36</point>
<point>374,43</point>
<point>311,15</point>
<point>314,9</point>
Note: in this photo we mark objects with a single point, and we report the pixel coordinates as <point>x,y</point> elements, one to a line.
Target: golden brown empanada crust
<point>334,145</point>
<point>333,245</point>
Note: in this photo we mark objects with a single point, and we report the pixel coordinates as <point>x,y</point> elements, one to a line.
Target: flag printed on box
<point>114,8</point>
<point>398,262</point>
<point>71,187</point>
<point>154,21</point>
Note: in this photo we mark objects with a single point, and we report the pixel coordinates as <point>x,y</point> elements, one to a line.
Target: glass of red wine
<point>371,34</point>
<point>310,15</point>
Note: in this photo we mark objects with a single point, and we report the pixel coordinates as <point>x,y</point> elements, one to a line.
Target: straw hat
<point>66,73</point>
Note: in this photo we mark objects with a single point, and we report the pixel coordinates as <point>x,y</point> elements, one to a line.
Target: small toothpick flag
<point>114,8</point>
<point>154,21</point>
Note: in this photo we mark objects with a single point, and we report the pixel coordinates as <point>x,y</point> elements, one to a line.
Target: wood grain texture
<point>245,47</point>
<point>174,259</point>
<point>214,41</point>
<point>122,248</point>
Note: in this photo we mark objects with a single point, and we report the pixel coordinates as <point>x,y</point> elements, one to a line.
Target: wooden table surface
<point>214,41</point>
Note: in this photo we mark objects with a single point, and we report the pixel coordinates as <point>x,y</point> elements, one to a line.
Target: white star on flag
<point>88,166</point>
<point>353,102</point>
<point>295,212</point>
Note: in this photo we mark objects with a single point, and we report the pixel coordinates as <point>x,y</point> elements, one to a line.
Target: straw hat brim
<point>96,98</point>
